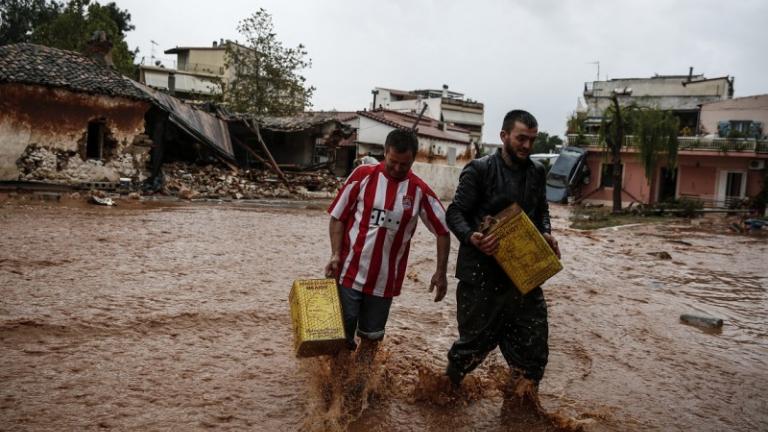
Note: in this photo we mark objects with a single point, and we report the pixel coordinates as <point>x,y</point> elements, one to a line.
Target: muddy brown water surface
<point>175,317</point>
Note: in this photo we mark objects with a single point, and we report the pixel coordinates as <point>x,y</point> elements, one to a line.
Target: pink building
<point>743,115</point>
<point>714,170</point>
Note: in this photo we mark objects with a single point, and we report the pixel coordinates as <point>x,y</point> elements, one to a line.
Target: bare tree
<point>267,78</point>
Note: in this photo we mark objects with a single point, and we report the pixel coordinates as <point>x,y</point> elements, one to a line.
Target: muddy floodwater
<point>175,317</point>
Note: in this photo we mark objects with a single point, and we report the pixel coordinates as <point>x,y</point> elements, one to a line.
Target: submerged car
<point>548,159</point>
<point>567,173</point>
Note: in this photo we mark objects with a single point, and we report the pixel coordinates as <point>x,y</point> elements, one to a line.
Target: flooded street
<point>175,317</point>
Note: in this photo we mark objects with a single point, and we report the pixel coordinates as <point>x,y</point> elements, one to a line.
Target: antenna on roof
<point>152,51</point>
<point>415,127</point>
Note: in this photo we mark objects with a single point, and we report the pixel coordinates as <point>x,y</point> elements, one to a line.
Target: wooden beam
<point>223,160</point>
<point>255,129</point>
<point>250,151</point>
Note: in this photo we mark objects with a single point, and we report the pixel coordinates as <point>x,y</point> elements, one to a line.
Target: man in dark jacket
<point>491,310</point>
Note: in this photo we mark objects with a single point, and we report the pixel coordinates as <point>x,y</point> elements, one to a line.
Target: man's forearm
<point>443,248</point>
<point>458,223</point>
<point>336,233</point>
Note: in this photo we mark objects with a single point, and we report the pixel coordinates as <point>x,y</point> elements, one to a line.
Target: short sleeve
<point>432,213</point>
<point>346,198</point>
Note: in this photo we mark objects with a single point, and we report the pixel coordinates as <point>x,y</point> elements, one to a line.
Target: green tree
<point>545,143</point>
<point>20,18</point>
<point>74,25</point>
<point>267,78</point>
<point>612,131</point>
<point>654,134</point>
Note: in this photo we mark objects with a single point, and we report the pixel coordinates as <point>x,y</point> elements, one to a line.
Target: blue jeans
<point>364,314</point>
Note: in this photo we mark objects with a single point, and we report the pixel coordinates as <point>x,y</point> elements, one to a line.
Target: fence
<point>723,145</point>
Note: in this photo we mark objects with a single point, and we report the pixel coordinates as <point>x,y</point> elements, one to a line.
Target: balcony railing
<point>202,68</point>
<point>723,145</point>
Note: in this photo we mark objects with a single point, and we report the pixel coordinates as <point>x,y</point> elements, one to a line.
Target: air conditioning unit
<point>757,164</point>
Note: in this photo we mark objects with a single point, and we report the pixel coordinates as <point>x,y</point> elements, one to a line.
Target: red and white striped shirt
<point>379,216</point>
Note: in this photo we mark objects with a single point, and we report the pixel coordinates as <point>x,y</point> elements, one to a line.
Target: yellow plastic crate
<point>523,252</point>
<point>318,327</point>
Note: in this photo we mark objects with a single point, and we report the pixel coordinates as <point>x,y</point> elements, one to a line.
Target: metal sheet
<point>206,127</point>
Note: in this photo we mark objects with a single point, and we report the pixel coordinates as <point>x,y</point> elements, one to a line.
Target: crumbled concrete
<point>39,163</point>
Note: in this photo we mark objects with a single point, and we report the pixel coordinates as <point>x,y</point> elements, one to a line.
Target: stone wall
<point>43,135</point>
<point>38,163</point>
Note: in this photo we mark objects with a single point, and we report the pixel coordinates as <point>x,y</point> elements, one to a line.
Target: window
<point>742,126</point>
<point>322,153</point>
<point>95,140</point>
<point>606,175</point>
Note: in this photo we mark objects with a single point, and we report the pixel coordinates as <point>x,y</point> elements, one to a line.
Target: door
<point>667,184</point>
<point>732,187</point>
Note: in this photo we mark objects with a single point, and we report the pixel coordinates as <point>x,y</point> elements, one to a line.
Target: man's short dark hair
<point>402,141</point>
<point>521,116</point>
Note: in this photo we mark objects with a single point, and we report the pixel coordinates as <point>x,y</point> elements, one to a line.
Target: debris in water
<point>701,321</point>
<point>661,255</point>
<point>102,201</point>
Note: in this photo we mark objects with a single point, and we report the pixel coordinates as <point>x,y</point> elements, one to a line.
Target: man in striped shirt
<point>373,219</point>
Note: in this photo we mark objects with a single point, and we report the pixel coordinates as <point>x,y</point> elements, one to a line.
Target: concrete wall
<point>442,179</point>
<point>188,83</point>
<point>373,132</point>
<point>753,108</point>
<point>57,120</point>
<point>205,60</point>
<point>633,181</point>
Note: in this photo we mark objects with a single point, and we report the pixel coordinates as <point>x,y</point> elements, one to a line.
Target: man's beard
<point>513,155</point>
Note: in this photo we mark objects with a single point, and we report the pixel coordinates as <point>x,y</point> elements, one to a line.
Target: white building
<point>198,74</point>
<point>442,105</point>
<point>680,94</point>
<point>443,149</point>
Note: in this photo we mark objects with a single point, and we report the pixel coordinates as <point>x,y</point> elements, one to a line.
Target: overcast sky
<point>530,54</point>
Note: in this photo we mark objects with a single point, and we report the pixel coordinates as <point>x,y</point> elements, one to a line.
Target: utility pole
<point>152,51</point>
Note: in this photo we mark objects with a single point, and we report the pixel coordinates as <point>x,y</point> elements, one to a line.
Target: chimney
<point>445,90</point>
<point>99,48</point>
<point>374,92</point>
<point>171,83</point>
<point>690,74</point>
<point>730,87</point>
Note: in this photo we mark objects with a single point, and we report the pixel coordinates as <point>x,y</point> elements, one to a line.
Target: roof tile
<point>27,63</point>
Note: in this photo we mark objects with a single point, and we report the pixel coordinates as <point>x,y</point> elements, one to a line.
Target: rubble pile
<point>190,181</point>
<point>39,163</point>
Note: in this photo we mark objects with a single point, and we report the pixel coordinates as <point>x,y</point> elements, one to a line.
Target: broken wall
<point>44,133</point>
<point>291,148</point>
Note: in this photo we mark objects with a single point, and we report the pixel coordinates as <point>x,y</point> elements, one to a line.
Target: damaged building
<point>308,141</point>
<point>69,119</point>
<point>66,118</point>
